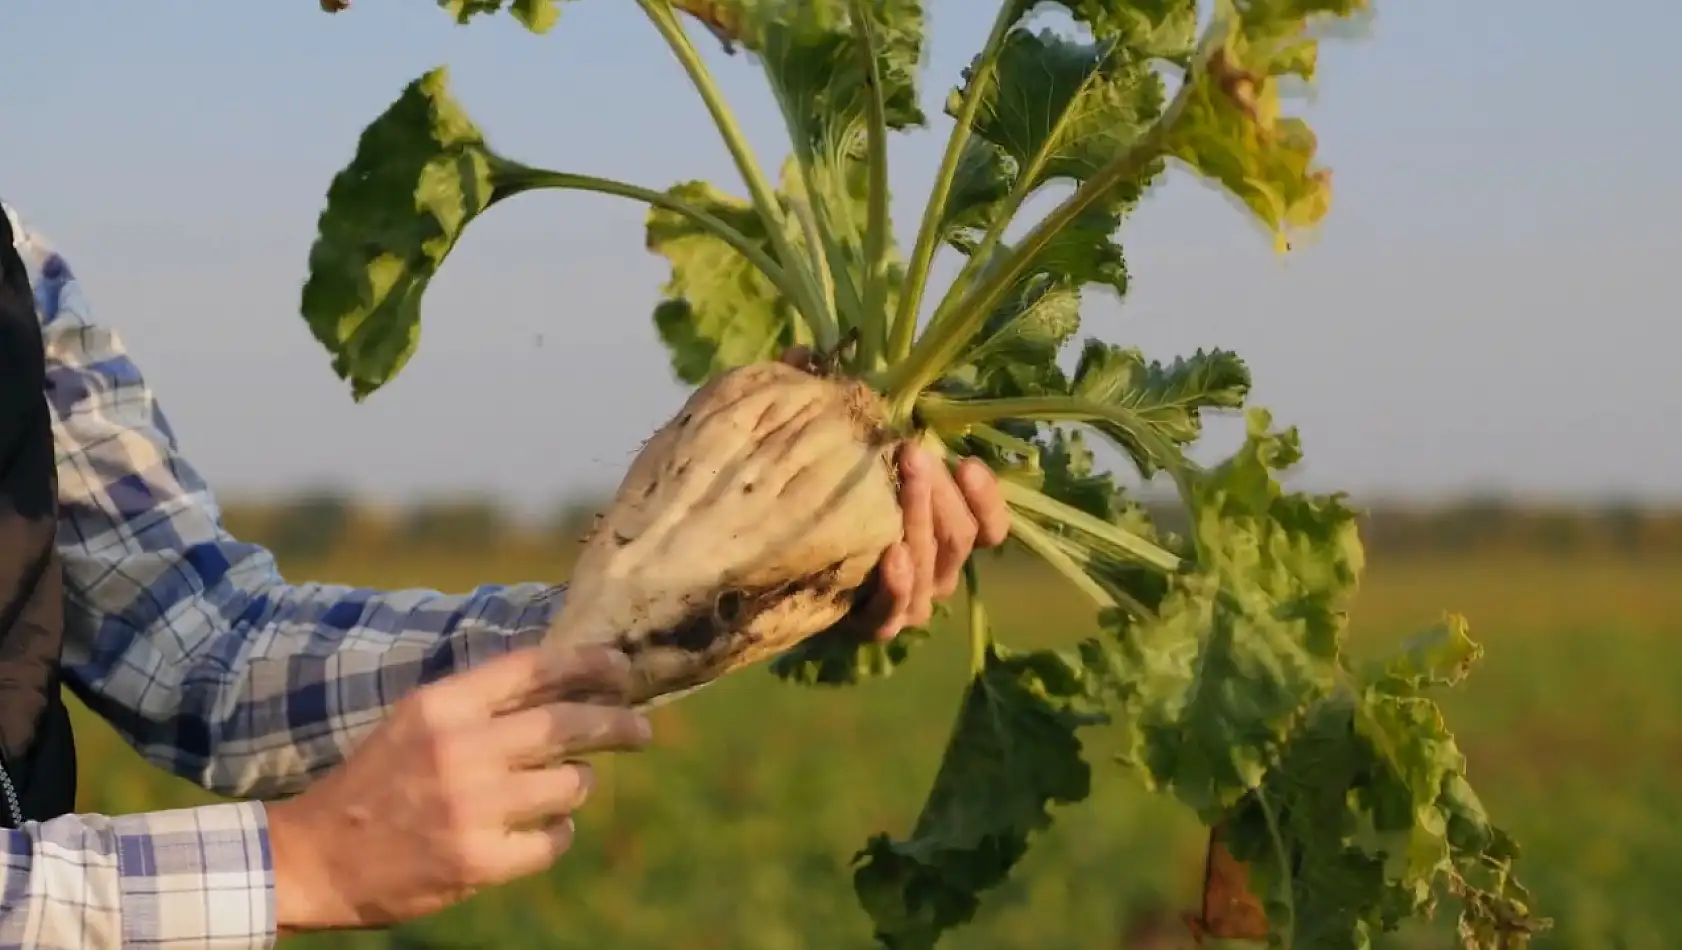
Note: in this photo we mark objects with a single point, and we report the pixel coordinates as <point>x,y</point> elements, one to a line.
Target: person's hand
<point>948,514</point>
<point>468,783</point>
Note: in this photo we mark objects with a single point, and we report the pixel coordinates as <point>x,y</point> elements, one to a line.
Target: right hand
<point>463,786</point>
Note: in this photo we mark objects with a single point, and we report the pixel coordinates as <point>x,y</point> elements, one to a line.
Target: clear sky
<point>1485,310</point>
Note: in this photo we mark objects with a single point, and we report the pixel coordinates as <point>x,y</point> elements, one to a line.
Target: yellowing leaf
<point>720,311</point>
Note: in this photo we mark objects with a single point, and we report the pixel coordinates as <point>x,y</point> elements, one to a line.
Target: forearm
<point>189,641</point>
<point>249,686</point>
<point>198,878</point>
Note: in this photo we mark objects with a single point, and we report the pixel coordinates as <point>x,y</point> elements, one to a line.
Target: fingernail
<point>645,729</point>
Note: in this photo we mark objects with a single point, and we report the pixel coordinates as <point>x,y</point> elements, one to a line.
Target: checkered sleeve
<point>189,641</point>
<point>189,879</point>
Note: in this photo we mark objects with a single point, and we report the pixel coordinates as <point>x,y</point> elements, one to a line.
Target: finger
<point>543,734</point>
<point>589,673</point>
<point>986,503</point>
<point>532,676</point>
<point>539,795</point>
<point>955,529</point>
<point>884,613</point>
<point>530,850</point>
<point>916,501</point>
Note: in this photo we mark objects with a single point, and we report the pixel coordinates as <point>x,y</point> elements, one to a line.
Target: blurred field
<point>735,833</point>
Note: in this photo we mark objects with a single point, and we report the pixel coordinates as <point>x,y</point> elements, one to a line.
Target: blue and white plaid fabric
<point>192,645</point>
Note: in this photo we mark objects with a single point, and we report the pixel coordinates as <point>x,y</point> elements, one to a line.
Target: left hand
<point>947,516</point>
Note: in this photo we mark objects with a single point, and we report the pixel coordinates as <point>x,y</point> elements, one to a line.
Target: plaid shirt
<point>191,644</point>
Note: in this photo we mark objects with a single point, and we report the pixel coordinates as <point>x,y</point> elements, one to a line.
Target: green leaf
<point>1170,399</point>
<point>1013,753</point>
<point>720,311</point>
<point>535,15</point>
<point>1016,352</point>
<point>1251,639</point>
<point>1163,29</point>
<point>812,60</point>
<point>421,172</point>
<point>1377,821</point>
<point>1058,110</point>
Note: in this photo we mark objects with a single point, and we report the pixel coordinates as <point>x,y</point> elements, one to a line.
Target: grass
<point>735,832</point>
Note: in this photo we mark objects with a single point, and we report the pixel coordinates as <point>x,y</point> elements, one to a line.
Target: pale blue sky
<point>1485,309</point>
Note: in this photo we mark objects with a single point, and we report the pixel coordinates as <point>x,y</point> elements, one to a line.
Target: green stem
<point>1044,544</point>
<point>980,637</point>
<point>1284,859</point>
<point>1033,501</point>
<point>1027,179</point>
<point>946,335</point>
<point>820,236</point>
<point>1092,561</point>
<point>946,414</point>
<point>928,233</point>
<point>803,214</point>
<point>873,321</point>
<point>808,301</point>
<point>1122,541</point>
<point>509,178</point>
<point>1005,441</point>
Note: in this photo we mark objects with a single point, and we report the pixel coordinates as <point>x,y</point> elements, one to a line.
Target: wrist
<point>304,893</point>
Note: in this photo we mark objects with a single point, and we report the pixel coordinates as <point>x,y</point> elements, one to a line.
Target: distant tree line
<point>314,525</point>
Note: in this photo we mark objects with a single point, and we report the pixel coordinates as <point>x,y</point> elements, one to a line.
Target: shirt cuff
<point>199,878</point>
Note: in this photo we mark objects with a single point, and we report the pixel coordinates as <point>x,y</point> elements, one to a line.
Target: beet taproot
<point>746,524</point>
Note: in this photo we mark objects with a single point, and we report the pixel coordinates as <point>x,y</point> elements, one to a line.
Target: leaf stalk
<point>904,326</point>
<point>947,333</point>
<point>510,178</point>
<point>809,301</point>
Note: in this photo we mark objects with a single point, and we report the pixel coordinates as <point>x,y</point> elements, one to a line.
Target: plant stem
<point>1044,544</point>
<point>1124,542</point>
<point>1119,539</point>
<point>943,414</point>
<point>509,178</point>
<point>809,301</point>
<point>804,215</point>
<point>1284,858</point>
<point>980,637</point>
<point>945,337</point>
<point>1003,440</point>
<point>873,320</point>
<point>1027,180</point>
<point>928,233</point>
<point>820,232</point>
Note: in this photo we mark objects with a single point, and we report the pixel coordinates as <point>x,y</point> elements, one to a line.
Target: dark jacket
<point>38,779</point>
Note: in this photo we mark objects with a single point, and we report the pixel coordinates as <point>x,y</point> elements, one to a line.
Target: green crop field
<point>736,831</point>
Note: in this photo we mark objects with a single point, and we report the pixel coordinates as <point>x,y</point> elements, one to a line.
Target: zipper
<point>13,809</point>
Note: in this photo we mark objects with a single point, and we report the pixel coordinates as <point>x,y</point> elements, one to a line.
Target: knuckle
<point>427,708</point>
<point>456,812</point>
<point>442,750</point>
<point>479,863</point>
<point>961,532</point>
